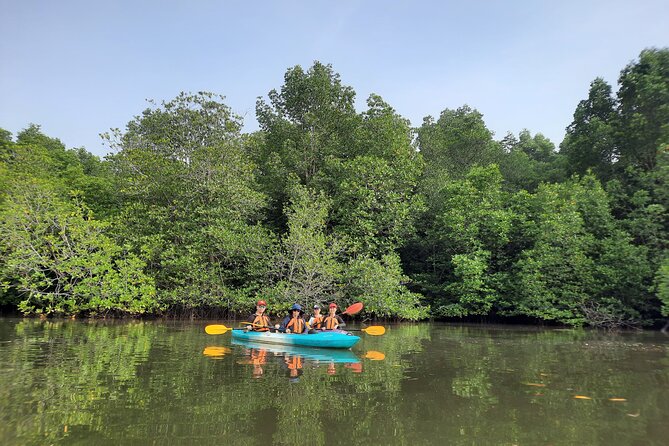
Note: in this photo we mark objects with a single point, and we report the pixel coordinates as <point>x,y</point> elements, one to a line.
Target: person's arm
<point>340,322</point>
<point>285,321</point>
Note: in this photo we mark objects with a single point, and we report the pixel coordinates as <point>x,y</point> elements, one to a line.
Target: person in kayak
<point>259,319</point>
<point>294,322</point>
<point>316,321</point>
<point>333,321</point>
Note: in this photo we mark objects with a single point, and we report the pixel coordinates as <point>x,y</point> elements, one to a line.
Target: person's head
<point>317,309</point>
<point>260,306</point>
<point>296,310</point>
<point>332,308</point>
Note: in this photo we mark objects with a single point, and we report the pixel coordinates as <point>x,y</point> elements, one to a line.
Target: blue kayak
<point>321,339</point>
<point>313,354</point>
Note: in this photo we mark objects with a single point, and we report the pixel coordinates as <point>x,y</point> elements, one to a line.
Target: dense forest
<point>189,215</point>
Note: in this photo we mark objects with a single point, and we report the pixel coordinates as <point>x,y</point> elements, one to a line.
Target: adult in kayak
<point>333,321</point>
<point>316,321</point>
<point>259,319</point>
<point>294,322</point>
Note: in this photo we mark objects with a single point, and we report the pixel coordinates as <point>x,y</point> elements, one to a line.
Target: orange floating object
<point>535,384</point>
<point>216,352</point>
<point>618,399</point>
<point>581,397</point>
<point>375,356</point>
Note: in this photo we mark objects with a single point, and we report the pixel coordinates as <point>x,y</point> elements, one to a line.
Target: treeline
<point>190,214</point>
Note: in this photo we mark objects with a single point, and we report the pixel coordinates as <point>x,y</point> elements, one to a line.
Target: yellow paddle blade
<point>375,330</point>
<point>375,356</point>
<point>216,352</point>
<point>216,329</point>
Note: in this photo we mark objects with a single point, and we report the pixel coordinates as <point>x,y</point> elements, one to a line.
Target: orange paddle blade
<point>353,309</point>
<point>216,329</point>
<point>375,330</point>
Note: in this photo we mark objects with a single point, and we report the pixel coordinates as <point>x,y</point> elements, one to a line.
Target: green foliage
<point>529,161</point>
<point>191,203</point>
<point>380,285</point>
<point>470,224</point>
<point>191,215</point>
<point>590,140</point>
<point>305,267</point>
<point>662,285</point>
<point>643,99</point>
<point>59,260</point>
<point>456,142</point>
<point>578,266</point>
<point>309,120</point>
<point>374,204</point>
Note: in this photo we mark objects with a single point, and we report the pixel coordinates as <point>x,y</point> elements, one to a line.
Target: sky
<point>79,68</point>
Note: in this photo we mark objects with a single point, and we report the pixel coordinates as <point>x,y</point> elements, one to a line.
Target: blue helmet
<point>297,307</point>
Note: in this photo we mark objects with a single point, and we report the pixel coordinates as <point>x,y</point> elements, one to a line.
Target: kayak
<point>321,339</point>
<point>314,354</point>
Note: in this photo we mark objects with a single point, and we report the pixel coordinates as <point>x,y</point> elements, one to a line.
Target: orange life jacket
<point>331,322</point>
<point>296,325</point>
<point>294,363</point>
<point>263,320</point>
<point>318,321</point>
<point>259,357</point>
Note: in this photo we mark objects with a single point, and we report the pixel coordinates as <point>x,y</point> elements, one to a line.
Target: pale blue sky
<point>80,67</point>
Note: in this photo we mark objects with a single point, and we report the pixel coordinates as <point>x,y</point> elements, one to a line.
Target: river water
<point>169,383</point>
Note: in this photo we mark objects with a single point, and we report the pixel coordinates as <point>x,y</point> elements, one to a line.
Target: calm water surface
<point>169,383</point>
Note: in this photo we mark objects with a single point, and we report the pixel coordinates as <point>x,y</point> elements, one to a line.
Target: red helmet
<point>262,302</point>
<point>333,305</point>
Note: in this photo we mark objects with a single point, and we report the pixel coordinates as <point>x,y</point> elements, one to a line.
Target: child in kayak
<point>294,322</point>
